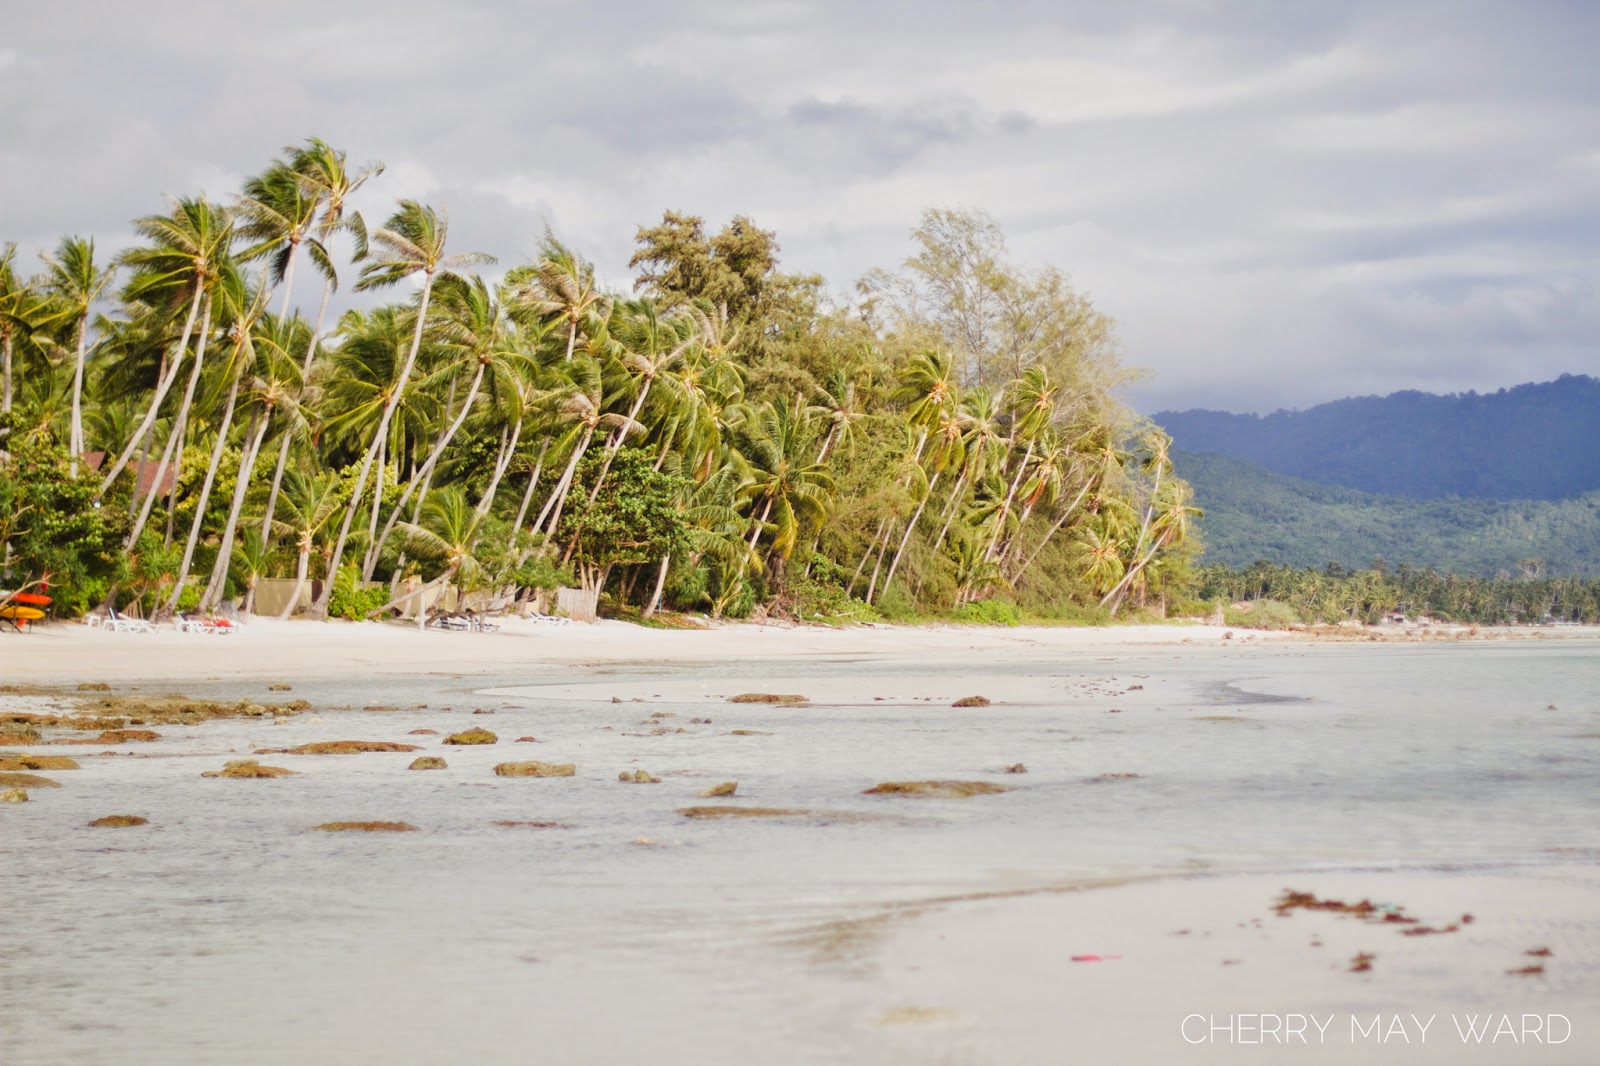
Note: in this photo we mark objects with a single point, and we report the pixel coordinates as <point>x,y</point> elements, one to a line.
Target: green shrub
<point>1071,614</point>
<point>991,612</point>
<point>896,604</point>
<point>353,601</point>
<point>1261,614</point>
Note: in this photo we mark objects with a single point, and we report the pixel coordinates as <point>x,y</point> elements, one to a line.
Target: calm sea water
<point>226,931</point>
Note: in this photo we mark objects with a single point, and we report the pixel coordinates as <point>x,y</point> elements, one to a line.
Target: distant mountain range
<point>1253,513</point>
<point>1538,441</point>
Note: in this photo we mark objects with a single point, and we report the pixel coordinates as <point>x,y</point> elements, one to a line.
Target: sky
<point>1280,204</point>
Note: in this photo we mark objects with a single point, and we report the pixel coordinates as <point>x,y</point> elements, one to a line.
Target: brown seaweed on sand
<point>366,827</point>
<point>428,762</point>
<point>23,761</point>
<point>9,779</point>
<point>785,699</point>
<point>727,788</point>
<point>936,789</point>
<point>639,777</point>
<point>472,736</point>
<point>1362,962</point>
<point>119,821</point>
<point>248,768</point>
<point>535,768</point>
<point>339,747</point>
<point>971,701</point>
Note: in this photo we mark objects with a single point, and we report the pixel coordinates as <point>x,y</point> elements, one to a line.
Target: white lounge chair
<point>118,622</point>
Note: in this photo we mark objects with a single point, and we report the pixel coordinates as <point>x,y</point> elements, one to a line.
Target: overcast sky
<point>1280,203</point>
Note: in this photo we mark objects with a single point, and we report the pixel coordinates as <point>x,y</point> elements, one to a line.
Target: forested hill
<point>1536,441</point>
<point>1252,513</point>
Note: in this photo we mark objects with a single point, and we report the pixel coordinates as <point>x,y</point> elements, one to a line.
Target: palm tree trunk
<point>622,435</point>
<point>370,563</point>
<point>425,474</point>
<point>299,581</point>
<point>205,487</point>
<point>319,610</point>
<point>256,432</point>
<point>507,450</point>
<point>5,396</point>
<point>173,438</point>
<point>533,484</point>
<point>883,525</point>
<point>1054,529</point>
<point>288,279</point>
<point>76,447</point>
<point>163,386</point>
<point>558,495</point>
<point>661,583</point>
<point>950,511</point>
<point>288,437</point>
<point>911,527</point>
<point>1005,508</point>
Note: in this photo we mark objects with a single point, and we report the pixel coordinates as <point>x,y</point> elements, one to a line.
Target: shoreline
<point>63,653</point>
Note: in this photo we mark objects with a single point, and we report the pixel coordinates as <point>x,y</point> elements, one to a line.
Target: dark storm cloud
<point>1279,202</point>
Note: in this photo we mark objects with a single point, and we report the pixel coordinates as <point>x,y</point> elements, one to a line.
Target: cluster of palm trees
<point>455,433</point>
<point>1335,593</point>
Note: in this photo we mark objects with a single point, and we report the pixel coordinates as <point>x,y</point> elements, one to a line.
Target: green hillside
<point>1252,513</point>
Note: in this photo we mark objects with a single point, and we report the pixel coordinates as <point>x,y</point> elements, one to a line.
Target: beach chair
<point>555,620</point>
<point>184,624</point>
<point>118,622</point>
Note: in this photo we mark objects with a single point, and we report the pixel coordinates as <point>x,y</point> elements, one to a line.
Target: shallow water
<point>226,930</point>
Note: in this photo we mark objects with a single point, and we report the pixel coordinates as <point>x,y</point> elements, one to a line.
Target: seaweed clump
<point>340,747</point>
<point>472,736</point>
<point>248,768</point>
<point>784,699</point>
<point>727,788</point>
<point>971,701</point>
<point>118,821</point>
<point>366,827</point>
<point>936,789</point>
<point>428,762</point>
<point>534,768</point>
<point>639,777</point>
<point>25,761</point>
<point>9,779</point>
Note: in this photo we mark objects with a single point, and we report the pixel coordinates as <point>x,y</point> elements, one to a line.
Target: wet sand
<point>1177,783</point>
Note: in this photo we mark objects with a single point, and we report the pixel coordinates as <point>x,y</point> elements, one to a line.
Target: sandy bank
<point>302,650</point>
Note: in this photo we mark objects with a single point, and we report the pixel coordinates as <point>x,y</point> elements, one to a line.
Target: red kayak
<point>32,599</point>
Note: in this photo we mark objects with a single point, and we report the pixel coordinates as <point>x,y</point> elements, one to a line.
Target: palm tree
<point>448,533</point>
<point>411,242</point>
<point>277,211</point>
<point>19,309</point>
<point>1033,403</point>
<point>949,450</point>
<point>251,559</point>
<point>77,284</point>
<point>187,257</point>
<point>240,358</point>
<point>473,335</point>
<point>327,180</point>
<point>309,502</point>
<point>561,285</point>
<point>784,480</point>
<point>582,406</point>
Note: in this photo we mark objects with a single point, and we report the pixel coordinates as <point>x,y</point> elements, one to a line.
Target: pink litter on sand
<point>1095,958</point>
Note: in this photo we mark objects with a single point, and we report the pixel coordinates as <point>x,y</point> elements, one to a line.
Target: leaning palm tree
<point>185,259</point>
<point>784,479</point>
<point>77,283</point>
<point>411,242</point>
<point>473,336</point>
<point>327,181</point>
<point>276,213</point>
<point>20,306</point>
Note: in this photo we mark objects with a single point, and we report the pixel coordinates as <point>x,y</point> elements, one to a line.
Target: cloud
<point>1279,203</point>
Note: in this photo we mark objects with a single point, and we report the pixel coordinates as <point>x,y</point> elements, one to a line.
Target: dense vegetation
<point>723,438</point>
<point>1253,513</point>
<point>1534,441</point>
<point>1335,594</point>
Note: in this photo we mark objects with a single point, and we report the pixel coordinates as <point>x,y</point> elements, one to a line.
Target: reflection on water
<point>227,929</point>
